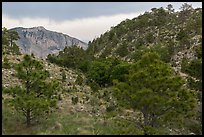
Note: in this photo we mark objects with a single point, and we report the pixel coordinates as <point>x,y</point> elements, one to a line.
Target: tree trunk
<point>28,110</point>
<point>153,122</point>
<point>145,123</point>
<point>146,120</point>
<point>28,117</point>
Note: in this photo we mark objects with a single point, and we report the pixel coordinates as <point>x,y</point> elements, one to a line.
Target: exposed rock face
<point>41,42</point>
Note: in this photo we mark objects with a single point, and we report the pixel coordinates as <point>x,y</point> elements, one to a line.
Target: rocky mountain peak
<point>42,42</point>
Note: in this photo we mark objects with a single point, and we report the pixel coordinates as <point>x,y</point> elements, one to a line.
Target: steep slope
<point>179,30</point>
<point>41,42</point>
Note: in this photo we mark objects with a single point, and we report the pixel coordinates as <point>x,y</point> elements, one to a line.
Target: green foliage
<point>13,35</point>
<point>139,43</point>
<point>79,80</point>
<point>195,126</point>
<point>122,50</point>
<point>196,85</point>
<point>84,66</point>
<point>111,34</point>
<point>163,51</point>
<point>138,53</point>
<point>111,107</point>
<point>199,52</point>
<point>124,127</point>
<point>160,17</point>
<point>75,100</point>
<point>183,38</point>
<point>5,37</point>
<point>94,86</point>
<point>194,24</point>
<point>15,49</point>
<point>8,44</point>
<point>152,89</point>
<point>51,58</point>
<point>120,71</point>
<point>36,96</point>
<point>6,64</point>
<point>141,22</point>
<point>106,52</point>
<point>99,72</point>
<point>70,57</point>
<point>63,76</point>
<point>193,68</point>
<point>149,37</point>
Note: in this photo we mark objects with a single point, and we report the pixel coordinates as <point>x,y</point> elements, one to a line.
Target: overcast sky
<point>83,20</point>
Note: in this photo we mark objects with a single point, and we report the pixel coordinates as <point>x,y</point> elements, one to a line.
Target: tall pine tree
<point>36,95</point>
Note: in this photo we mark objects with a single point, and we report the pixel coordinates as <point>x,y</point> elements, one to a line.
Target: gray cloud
<point>81,20</point>
<point>72,10</point>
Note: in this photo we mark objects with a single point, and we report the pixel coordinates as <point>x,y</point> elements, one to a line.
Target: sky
<point>82,20</point>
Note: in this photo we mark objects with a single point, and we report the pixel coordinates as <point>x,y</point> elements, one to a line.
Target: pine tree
<point>153,90</point>
<point>8,38</point>
<point>13,35</point>
<point>5,36</point>
<point>36,95</point>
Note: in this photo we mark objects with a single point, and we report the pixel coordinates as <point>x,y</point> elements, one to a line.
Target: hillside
<point>67,118</point>
<point>143,77</point>
<point>178,34</point>
<point>180,30</point>
<point>41,42</point>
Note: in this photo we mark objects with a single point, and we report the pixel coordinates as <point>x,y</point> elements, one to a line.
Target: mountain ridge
<point>42,42</point>
<point>180,30</point>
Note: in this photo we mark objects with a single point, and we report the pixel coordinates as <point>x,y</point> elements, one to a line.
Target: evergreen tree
<point>170,8</point>
<point>5,36</point>
<point>153,90</point>
<point>13,35</point>
<point>70,57</point>
<point>36,96</point>
<point>8,44</point>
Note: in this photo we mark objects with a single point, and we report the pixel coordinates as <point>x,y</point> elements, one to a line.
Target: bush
<point>75,100</point>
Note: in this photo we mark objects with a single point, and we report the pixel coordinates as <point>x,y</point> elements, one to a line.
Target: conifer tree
<point>153,90</point>
<point>35,96</point>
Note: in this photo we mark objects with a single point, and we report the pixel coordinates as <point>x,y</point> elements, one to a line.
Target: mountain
<point>41,42</point>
